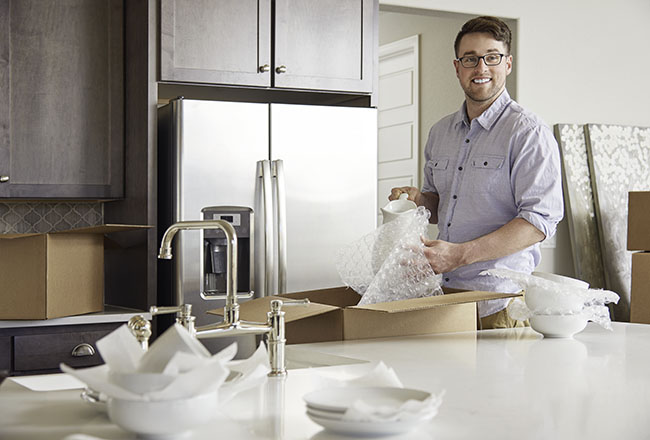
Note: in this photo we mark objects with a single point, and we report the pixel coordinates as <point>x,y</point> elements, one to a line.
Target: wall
<point>42,217</point>
<point>439,90</point>
<point>595,73</point>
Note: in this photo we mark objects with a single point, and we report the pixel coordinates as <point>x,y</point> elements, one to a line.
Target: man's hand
<point>412,192</point>
<point>444,256</point>
<point>512,237</point>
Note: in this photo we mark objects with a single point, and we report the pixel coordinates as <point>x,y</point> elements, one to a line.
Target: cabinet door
<point>216,41</point>
<point>324,45</point>
<point>61,99</point>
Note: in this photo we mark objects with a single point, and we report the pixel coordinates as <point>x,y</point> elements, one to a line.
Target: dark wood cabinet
<point>61,99</point>
<point>41,349</point>
<point>216,41</point>
<point>284,44</point>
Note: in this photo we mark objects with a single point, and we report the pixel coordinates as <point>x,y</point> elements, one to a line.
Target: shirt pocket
<point>438,170</point>
<point>488,161</point>
<point>489,175</point>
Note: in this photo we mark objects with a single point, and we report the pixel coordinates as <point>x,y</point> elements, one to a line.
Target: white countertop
<point>109,314</point>
<point>500,384</point>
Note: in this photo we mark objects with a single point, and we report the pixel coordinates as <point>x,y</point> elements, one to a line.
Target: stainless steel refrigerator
<point>298,181</point>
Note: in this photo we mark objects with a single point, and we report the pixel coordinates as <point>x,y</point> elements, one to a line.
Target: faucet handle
<point>183,315</point>
<point>185,309</point>
<point>276,304</point>
<point>141,329</point>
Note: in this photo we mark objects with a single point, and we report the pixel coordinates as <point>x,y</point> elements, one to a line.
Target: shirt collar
<point>489,116</point>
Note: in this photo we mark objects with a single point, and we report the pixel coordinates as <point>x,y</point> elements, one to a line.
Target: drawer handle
<point>4,179</point>
<point>281,69</point>
<point>265,68</point>
<point>82,350</point>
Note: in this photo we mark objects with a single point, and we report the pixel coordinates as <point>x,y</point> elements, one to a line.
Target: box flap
<point>256,310</point>
<point>99,229</point>
<point>17,235</point>
<point>406,305</point>
<point>103,229</point>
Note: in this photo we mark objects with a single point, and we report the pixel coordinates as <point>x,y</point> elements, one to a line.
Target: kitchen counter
<point>110,314</point>
<point>500,384</point>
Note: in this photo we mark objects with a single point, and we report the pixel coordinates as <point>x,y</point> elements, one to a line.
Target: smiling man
<point>492,177</point>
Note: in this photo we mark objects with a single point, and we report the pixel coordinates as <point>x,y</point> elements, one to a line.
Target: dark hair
<point>490,25</point>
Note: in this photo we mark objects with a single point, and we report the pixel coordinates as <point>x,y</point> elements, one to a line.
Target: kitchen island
<point>499,384</point>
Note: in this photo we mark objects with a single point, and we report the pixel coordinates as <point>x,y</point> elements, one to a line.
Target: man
<point>492,177</point>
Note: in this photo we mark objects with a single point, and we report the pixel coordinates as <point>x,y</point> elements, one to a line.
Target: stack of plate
<point>327,407</point>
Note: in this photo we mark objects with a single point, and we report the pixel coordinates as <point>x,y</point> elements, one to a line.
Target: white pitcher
<point>395,208</point>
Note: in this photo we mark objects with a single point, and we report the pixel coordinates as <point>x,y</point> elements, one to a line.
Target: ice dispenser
<point>214,259</point>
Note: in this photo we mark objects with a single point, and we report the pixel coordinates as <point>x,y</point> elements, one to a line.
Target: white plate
<point>340,399</point>
<point>325,414</point>
<point>365,428</point>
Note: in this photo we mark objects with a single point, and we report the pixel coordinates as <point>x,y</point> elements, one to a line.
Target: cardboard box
<point>638,221</point>
<point>53,275</point>
<point>334,316</point>
<point>640,291</point>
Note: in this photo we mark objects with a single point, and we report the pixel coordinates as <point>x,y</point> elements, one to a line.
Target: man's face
<point>482,84</point>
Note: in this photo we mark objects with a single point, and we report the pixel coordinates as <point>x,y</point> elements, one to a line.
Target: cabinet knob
<point>82,350</point>
<point>281,69</point>
<point>265,68</point>
<point>4,179</point>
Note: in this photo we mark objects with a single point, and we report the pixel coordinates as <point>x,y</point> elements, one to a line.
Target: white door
<point>398,122</point>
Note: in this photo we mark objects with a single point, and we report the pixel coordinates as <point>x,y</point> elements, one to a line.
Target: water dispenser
<point>214,250</point>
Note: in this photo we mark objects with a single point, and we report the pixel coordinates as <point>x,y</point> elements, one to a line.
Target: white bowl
<point>562,298</point>
<point>543,301</point>
<point>558,326</point>
<point>562,279</point>
<point>140,383</point>
<point>163,418</point>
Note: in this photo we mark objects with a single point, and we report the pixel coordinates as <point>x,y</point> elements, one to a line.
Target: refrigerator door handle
<point>281,199</point>
<point>264,171</point>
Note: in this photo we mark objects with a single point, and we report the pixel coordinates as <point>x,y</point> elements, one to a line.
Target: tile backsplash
<point>42,217</point>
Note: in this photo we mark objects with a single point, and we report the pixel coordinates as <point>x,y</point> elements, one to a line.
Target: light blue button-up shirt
<point>504,164</point>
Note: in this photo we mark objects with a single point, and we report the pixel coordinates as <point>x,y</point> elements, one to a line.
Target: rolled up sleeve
<point>536,179</point>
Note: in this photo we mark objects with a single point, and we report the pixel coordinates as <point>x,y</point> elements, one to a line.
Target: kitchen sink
<point>300,358</point>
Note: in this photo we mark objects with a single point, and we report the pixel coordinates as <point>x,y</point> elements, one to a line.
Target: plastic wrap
<point>560,298</point>
<point>389,264</point>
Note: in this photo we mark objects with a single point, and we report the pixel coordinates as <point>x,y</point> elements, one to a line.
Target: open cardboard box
<point>52,275</point>
<point>640,290</point>
<point>638,221</point>
<point>333,314</point>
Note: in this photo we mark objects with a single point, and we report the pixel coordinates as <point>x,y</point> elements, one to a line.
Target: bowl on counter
<point>567,296</point>
<point>558,326</point>
<point>163,418</point>
<point>561,279</point>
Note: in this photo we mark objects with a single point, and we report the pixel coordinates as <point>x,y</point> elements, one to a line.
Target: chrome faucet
<point>231,325</point>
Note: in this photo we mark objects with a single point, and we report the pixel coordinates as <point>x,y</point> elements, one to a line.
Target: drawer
<point>46,351</point>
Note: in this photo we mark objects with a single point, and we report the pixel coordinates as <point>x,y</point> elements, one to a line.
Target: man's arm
<point>512,237</point>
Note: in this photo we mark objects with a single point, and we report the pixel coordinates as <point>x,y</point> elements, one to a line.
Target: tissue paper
<point>411,410</point>
<point>176,366</point>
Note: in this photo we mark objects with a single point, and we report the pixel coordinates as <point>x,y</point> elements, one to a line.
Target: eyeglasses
<point>491,59</point>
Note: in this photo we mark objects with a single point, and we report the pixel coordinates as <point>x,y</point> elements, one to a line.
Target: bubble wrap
<point>389,264</point>
<point>594,300</point>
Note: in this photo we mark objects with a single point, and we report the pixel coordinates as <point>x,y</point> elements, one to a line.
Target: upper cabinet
<point>283,44</point>
<point>61,99</point>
